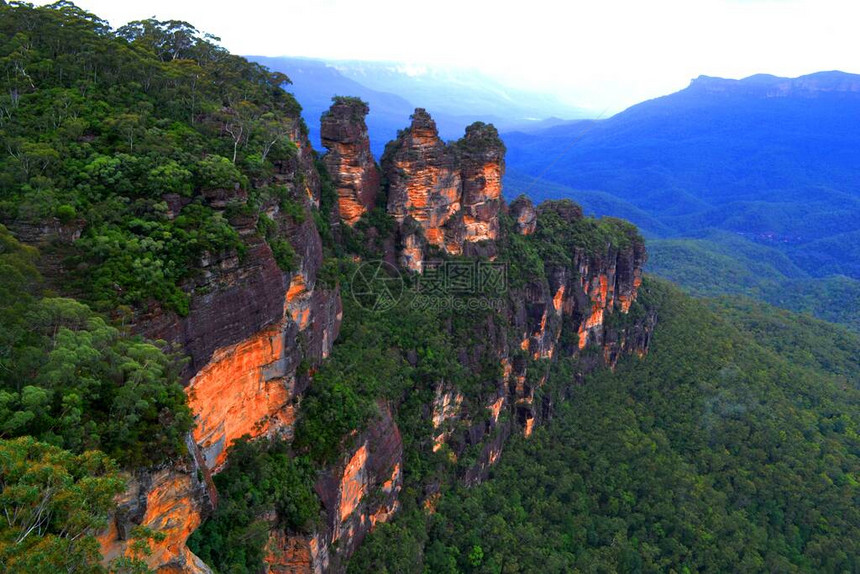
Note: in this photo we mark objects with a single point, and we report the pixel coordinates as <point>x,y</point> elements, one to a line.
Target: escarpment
<point>257,329</point>
<point>252,331</point>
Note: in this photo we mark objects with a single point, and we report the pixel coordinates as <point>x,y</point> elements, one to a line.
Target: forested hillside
<point>109,139</point>
<point>731,447</point>
<point>223,352</point>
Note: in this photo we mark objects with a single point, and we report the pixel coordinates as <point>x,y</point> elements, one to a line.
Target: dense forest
<point>731,446</point>
<point>98,127</point>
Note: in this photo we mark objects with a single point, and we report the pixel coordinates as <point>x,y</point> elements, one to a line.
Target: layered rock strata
<point>250,326</point>
<point>444,196</point>
<point>349,162</point>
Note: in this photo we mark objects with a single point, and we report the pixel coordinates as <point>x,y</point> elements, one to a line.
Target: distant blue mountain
<point>775,160</point>
<point>455,99</point>
<point>742,186</point>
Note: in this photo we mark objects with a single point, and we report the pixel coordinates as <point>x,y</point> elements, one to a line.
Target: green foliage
<point>282,250</point>
<point>217,172</point>
<point>521,255</point>
<point>479,138</point>
<point>261,478</point>
<point>70,379</point>
<point>367,237</point>
<point>398,356</point>
<point>722,263</point>
<point>284,254</point>
<point>360,107</point>
<point>561,232</point>
<point>801,339</point>
<point>170,177</point>
<point>53,504</point>
<point>102,126</point>
<point>558,236</point>
<point>65,213</point>
<point>714,453</point>
<point>140,548</point>
<point>145,257</point>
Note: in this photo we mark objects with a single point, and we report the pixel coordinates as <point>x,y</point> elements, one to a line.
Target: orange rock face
<point>298,301</point>
<point>524,214</point>
<point>427,186</point>
<point>247,388</point>
<point>353,485</point>
<point>446,407</point>
<point>529,428</point>
<point>496,408</point>
<point>172,508</point>
<point>291,554</point>
<point>359,492</point>
<point>412,255</point>
<point>349,160</point>
<point>558,299</point>
<point>452,193</point>
<point>600,298</point>
<point>627,299</point>
<point>232,395</point>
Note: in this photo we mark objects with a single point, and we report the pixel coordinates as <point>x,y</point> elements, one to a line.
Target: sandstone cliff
<point>253,325</point>
<point>349,160</point>
<point>445,196</point>
<point>357,492</point>
<point>250,326</point>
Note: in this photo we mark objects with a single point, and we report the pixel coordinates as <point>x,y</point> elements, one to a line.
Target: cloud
<point>607,54</point>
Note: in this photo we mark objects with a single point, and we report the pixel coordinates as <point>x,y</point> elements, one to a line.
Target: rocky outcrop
<point>171,501</point>
<point>482,165</point>
<point>291,554</point>
<point>358,492</point>
<point>349,161</point>
<point>524,215</point>
<point>446,407</point>
<point>580,310</point>
<point>250,327</point>
<point>445,196</point>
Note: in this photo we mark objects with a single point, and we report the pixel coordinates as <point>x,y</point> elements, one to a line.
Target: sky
<point>600,54</point>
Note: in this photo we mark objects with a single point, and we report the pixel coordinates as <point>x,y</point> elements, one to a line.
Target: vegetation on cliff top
<point>119,135</point>
<point>71,379</point>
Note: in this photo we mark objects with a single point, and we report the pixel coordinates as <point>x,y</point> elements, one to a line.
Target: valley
<point>251,331</point>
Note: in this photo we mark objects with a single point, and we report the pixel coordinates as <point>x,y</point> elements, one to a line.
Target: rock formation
<point>524,215</point>
<point>482,167</point>
<point>349,160</point>
<point>251,326</point>
<point>446,196</point>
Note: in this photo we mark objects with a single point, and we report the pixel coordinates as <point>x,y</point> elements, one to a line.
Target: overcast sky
<point>600,54</point>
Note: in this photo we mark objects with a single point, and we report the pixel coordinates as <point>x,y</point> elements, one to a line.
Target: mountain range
<point>393,90</point>
<point>758,177</point>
